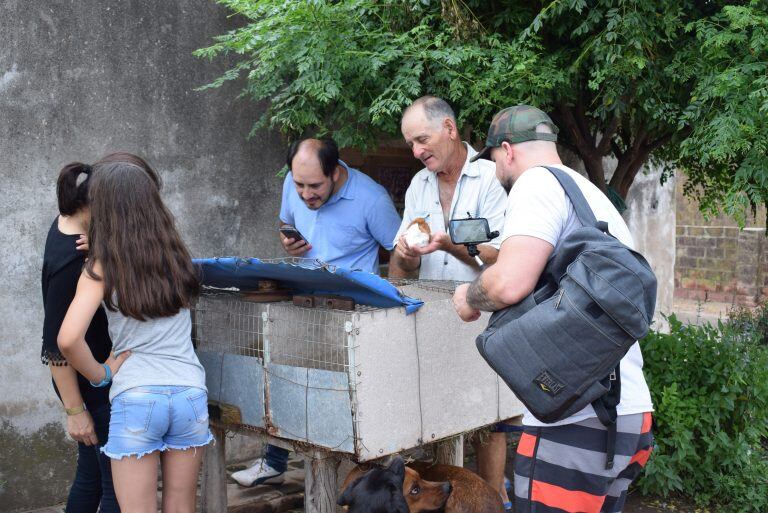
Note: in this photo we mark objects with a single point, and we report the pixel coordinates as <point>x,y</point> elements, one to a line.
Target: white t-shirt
<point>538,207</point>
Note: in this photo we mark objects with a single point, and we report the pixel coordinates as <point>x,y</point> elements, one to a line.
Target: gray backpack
<point>559,349</point>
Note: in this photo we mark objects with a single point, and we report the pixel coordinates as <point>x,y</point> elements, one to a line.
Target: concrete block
<point>713,231</point>
<point>714,253</point>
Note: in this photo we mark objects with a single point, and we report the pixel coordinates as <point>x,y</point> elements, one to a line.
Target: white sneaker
<point>258,473</point>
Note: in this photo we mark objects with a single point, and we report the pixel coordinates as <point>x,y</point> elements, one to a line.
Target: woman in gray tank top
<point>141,271</point>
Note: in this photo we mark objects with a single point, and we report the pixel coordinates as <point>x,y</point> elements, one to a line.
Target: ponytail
<point>72,195</point>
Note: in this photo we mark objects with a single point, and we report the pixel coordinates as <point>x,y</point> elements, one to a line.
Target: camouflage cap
<point>515,125</point>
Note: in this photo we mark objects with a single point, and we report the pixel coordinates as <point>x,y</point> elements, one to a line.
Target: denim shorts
<point>155,418</point>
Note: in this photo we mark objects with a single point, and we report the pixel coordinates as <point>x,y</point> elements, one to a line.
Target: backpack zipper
<point>559,298</point>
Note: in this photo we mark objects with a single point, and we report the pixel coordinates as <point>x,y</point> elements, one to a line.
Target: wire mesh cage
<point>223,321</point>
<point>368,382</point>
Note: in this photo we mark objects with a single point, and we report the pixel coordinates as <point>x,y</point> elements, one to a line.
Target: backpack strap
<point>605,408</point>
<point>583,210</point>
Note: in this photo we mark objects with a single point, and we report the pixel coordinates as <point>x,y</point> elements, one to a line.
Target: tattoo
<point>477,296</point>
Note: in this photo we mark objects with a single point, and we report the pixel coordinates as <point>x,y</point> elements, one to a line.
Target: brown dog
<point>471,494</point>
<point>425,487</point>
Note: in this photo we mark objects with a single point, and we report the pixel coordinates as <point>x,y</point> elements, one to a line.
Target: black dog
<point>393,489</point>
<point>380,490</point>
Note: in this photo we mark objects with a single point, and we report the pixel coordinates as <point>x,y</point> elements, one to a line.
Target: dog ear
<point>399,502</point>
<point>397,467</point>
<point>345,499</point>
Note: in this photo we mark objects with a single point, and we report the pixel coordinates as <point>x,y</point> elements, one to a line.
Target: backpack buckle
<point>612,375</point>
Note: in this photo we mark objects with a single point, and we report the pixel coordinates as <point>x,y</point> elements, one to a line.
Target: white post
<point>450,451</point>
<point>213,486</point>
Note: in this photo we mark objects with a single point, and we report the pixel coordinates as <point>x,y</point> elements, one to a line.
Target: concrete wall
<point>79,78</point>
<point>651,217</point>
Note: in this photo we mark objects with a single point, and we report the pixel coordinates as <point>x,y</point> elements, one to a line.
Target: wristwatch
<point>75,410</point>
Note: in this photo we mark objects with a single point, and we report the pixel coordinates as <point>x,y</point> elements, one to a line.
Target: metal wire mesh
<point>278,332</point>
<point>308,337</point>
<point>446,286</point>
<point>224,322</point>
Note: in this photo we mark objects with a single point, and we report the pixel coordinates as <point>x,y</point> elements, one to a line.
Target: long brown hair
<point>146,268</point>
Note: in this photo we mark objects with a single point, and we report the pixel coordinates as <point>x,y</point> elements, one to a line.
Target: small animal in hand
<point>418,234</point>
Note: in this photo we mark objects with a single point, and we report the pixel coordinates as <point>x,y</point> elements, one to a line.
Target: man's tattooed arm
<point>477,297</point>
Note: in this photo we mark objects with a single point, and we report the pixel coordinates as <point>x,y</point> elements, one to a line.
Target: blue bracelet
<point>107,378</point>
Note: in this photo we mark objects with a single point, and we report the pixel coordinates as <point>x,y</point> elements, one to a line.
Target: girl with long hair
<point>142,272</point>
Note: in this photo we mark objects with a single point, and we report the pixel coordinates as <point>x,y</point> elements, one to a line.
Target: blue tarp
<point>364,287</point>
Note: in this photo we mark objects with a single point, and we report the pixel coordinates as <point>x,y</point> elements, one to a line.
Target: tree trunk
<point>576,130</point>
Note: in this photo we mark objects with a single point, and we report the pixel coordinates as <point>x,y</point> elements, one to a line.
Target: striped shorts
<point>561,469</point>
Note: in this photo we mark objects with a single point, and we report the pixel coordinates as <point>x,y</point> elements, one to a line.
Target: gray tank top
<point>161,352</point>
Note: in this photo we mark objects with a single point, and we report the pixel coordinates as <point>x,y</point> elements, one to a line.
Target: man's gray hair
<point>436,109</point>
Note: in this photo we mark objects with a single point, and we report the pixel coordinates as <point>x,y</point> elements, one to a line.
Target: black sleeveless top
<point>62,265</point>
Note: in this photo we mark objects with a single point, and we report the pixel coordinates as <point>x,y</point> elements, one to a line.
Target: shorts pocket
<point>199,404</point>
<point>137,414</point>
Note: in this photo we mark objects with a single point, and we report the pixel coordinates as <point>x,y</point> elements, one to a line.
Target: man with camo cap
<point>569,455</point>
<point>516,125</point>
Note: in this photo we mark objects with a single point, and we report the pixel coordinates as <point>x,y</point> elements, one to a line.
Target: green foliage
<point>725,155</point>
<point>710,391</point>
<point>752,322</point>
<point>681,81</point>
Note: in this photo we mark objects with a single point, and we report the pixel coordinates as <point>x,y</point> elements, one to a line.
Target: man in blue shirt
<point>342,213</point>
<point>344,216</point>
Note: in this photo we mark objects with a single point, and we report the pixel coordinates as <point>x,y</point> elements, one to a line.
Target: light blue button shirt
<point>348,229</point>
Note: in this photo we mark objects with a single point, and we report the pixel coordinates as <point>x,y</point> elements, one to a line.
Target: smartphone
<point>292,233</point>
<point>469,231</point>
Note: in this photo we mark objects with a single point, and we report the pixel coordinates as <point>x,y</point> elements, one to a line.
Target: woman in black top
<point>87,408</point>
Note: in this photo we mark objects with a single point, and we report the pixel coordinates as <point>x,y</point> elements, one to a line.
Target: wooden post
<point>213,486</point>
<point>320,486</point>
<point>450,451</point>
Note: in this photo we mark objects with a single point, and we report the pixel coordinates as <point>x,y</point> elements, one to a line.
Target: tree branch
<point>664,139</point>
<point>626,164</point>
<point>616,150</point>
<point>593,161</point>
<point>604,147</point>
<point>580,116</point>
<point>632,169</point>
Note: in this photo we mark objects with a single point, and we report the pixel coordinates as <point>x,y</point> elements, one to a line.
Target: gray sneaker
<point>258,473</point>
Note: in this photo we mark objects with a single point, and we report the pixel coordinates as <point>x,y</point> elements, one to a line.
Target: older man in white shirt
<point>449,187</point>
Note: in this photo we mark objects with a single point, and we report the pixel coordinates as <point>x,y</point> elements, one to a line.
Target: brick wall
<point>717,261</point>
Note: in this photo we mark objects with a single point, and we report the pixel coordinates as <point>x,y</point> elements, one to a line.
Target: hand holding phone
<point>293,241</point>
